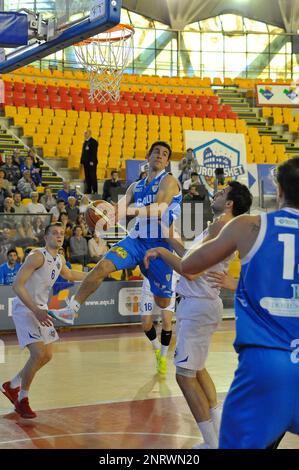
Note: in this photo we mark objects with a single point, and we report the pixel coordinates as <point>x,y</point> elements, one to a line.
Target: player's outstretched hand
<point>222,280</point>
<point>153,253</point>
<point>43,317</point>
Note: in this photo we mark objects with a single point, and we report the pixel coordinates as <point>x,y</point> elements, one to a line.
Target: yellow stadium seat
<point>234,269</point>
<point>26,201</point>
<point>20,252</point>
<point>10,110</point>
<point>49,150</point>
<point>23,111</point>
<point>77,266</point>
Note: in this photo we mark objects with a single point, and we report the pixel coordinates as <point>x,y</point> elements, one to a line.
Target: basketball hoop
<point>105,58</point>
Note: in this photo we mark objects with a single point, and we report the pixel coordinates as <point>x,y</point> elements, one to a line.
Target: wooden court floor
<point>101,391</point>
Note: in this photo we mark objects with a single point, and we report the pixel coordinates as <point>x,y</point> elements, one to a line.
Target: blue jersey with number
<point>145,194</point>
<point>267,298</point>
<point>7,275</point>
<point>147,234</point>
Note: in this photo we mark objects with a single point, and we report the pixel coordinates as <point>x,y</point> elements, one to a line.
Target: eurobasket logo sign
<point>266,92</point>
<point>218,150</point>
<point>277,95</point>
<point>291,93</point>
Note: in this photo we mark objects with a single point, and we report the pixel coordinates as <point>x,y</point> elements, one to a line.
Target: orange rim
<point>118,27</point>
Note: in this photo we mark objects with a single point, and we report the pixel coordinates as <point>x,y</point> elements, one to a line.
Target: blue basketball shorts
<point>263,400</point>
<point>130,252</point>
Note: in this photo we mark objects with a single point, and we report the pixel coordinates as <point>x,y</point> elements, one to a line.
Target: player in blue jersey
<point>9,270</point>
<point>156,200</point>
<point>263,401</point>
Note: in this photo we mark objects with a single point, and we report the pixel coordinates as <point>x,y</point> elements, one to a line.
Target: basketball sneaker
<point>162,368</point>
<point>157,354</point>
<point>23,409</point>
<point>10,393</point>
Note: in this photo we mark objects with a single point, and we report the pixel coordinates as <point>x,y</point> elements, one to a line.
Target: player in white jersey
<point>34,326</point>
<point>199,313</point>
<point>149,309</point>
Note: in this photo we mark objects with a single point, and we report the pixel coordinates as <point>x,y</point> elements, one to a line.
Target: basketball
<point>99,215</point>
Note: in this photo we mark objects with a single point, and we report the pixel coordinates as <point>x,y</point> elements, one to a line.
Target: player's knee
<point>38,355</point>
<point>103,268</point>
<point>166,324</point>
<point>183,376</point>
<point>147,325</point>
<point>162,302</point>
<point>47,356</point>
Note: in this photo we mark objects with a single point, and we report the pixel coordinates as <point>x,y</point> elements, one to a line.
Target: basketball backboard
<point>71,26</point>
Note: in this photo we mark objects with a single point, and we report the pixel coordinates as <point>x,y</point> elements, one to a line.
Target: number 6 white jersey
<point>41,281</point>
<point>267,298</point>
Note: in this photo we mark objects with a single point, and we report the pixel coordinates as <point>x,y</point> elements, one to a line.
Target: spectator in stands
<point>35,207</point>
<point>96,248</point>
<point>78,247</point>
<point>193,180</point>
<point>47,199</point>
<point>8,206</point>
<point>89,160</point>
<point>38,227</point>
<point>72,209</point>
<point>109,184</point>
<point>83,204</point>
<point>26,185</point>
<point>81,221</point>
<point>7,219</point>
<point>25,232</point>
<point>34,170</point>
<point>58,209</point>
<point>9,270</point>
<point>7,241</point>
<point>193,194</point>
<point>36,162</point>
<point>18,160</point>
<point>66,192</point>
<point>12,171</point>
<point>187,166</point>
<point>17,203</point>
<point>61,283</point>
<point>4,193</point>
<point>3,179</point>
<point>68,226</point>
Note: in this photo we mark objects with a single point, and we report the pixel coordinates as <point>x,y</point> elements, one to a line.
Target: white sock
<point>156,343</point>
<point>164,350</point>
<point>208,433</point>
<point>22,394</point>
<point>16,381</point>
<point>216,413</point>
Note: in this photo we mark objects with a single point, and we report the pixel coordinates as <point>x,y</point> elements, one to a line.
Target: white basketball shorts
<point>29,330</point>
<point>193,334</point>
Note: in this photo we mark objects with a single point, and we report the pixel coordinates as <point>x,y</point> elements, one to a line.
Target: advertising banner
<point>218,150</point>
<point>277,95</point>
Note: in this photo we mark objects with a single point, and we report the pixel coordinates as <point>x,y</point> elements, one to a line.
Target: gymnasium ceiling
<point>179,13</point>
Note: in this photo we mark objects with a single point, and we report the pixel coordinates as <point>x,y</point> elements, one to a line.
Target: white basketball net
<point>105,57</point>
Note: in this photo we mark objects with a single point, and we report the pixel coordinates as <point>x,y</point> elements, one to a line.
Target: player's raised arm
<point>33,262</point>
<point>169,188</point>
